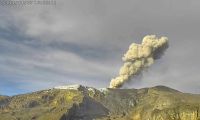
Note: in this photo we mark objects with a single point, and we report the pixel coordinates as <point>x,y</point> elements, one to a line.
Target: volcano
<point>77,102</point>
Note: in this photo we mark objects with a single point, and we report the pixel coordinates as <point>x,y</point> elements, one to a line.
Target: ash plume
<point>139,57</point>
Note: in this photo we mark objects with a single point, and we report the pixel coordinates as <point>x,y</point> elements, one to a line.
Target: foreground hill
<point>85,103</point>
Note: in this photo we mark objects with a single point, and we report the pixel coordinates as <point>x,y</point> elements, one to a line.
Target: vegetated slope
<point>85,103</point>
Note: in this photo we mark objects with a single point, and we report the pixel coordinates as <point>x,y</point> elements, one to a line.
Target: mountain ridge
<point>77,102</point>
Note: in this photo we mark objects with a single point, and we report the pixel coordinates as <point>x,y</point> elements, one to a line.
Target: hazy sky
<point>82,42</point>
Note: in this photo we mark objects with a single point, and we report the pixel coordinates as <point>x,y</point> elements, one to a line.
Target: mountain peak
<point>77,102</point>
<point>164,88</point>
<point>70,87</point>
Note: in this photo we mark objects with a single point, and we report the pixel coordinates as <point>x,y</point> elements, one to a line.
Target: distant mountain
<point>85,103</point>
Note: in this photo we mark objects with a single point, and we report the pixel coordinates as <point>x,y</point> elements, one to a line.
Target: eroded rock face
<point>85,103</point>
<point>89,109</point>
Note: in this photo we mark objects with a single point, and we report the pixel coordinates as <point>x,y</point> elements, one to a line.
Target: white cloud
<point>106,26</point>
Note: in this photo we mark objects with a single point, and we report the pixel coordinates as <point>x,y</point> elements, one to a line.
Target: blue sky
<point>82,42</point>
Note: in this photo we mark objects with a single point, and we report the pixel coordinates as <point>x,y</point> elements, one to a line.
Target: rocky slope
<point>85,103</point>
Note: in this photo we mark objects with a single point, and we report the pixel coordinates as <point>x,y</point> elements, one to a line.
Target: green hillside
<point>85,103</point>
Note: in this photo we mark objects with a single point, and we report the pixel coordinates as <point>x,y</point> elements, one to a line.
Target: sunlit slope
<point>85,103</point>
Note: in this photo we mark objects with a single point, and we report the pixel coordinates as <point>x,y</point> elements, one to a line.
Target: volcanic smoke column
<point>139,57</point>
